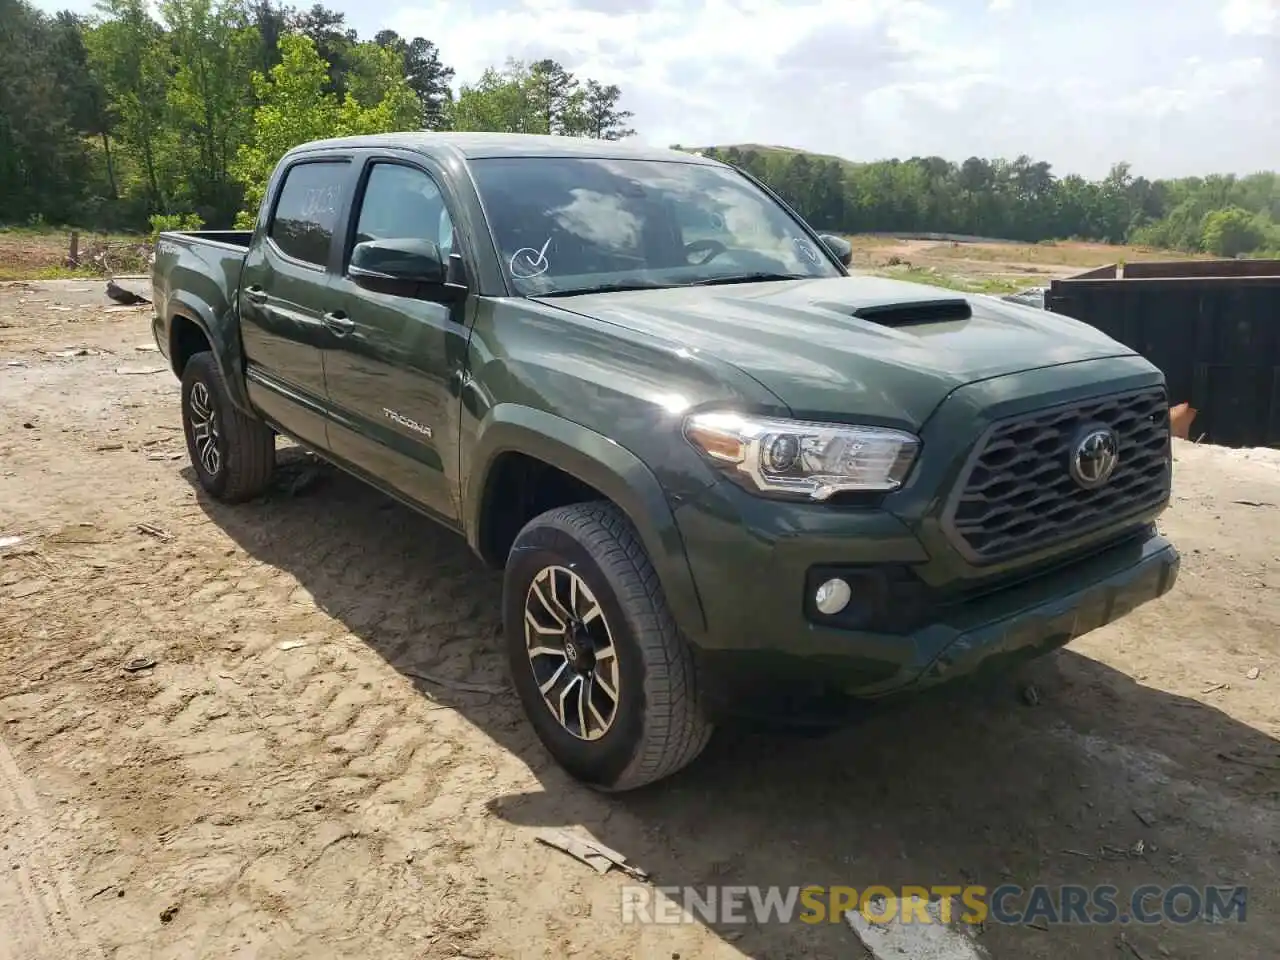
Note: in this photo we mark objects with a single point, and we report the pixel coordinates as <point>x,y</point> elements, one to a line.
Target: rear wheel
<point>233,454</point>
<point>603,673</point>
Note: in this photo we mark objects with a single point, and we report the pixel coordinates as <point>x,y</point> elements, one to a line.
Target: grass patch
<point>31,253</point>
<point>63,234</point>
<point>993,285</point>
<point>10,272</point>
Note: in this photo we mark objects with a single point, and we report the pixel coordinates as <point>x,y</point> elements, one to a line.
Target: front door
<point>284,295</point>
<point>393,371</point>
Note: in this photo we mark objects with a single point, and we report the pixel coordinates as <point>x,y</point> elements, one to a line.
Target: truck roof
<point>474,146</point>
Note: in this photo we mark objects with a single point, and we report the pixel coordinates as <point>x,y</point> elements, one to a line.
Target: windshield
<point>571,225</point>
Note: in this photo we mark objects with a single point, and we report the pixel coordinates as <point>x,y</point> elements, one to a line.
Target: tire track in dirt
<point>39,909</point>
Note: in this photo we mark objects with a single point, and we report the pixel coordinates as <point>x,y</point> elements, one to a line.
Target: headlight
<point>803,459</point>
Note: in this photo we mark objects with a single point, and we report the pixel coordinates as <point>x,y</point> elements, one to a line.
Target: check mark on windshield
<point>528,262</point>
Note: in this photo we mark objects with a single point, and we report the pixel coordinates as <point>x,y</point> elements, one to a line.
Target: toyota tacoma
<point>721,473</point>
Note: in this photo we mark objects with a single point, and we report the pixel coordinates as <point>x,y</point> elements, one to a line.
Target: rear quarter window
<point>307,212</point>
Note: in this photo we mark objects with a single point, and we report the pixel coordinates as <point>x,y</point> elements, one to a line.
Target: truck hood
<point>802,340</point>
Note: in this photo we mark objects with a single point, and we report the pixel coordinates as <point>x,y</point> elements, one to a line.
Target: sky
<point>1175,87</point>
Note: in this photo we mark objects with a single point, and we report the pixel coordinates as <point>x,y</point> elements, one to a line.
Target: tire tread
<point>251,444</point>
<point>675,727</point>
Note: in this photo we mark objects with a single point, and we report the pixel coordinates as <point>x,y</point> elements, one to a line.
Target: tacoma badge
<point>406,422</point>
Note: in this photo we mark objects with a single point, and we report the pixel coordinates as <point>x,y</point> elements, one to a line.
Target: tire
<point>657,725</point>
<point>238,464</point>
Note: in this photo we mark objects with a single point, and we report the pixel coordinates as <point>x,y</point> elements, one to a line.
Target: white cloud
<point>1205,84</point>
<point>1251,17</point>
<point>999,6</point>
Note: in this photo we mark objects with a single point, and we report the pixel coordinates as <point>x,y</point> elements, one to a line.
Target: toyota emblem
<point>1095,457</point>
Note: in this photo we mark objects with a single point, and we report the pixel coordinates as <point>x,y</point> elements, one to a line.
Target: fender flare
<point>605,465</point>
<point>224,342</point>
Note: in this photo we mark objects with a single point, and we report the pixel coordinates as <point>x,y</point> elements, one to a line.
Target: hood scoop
<point>909,312</point>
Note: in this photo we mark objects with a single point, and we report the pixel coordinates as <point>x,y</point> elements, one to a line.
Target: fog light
<point>832,597</point>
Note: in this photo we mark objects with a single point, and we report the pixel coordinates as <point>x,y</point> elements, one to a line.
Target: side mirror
<point>400,260</point>
<point>841,247</point>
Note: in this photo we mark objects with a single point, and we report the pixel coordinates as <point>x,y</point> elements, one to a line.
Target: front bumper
<point>761,643</point>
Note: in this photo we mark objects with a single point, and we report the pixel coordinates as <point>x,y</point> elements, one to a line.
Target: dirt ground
<point>45,253</point>
<point>992,267</point>
<point>290,781</point>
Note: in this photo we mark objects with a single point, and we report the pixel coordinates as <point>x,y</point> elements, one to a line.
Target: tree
<point>603,118</point>
<point>426,74</point>
<point>556,100</point>
<point>85,97</point>
<point>328,31</point>
<point>210,96</point>
<point>129,56</point>
<point>501,100</point>
<point>295,107</point>
<point>271,22</point>
<point>1231,232</point>
<point>43,162</point>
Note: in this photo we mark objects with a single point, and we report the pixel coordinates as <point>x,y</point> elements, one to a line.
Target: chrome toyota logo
<point>1095,457</point>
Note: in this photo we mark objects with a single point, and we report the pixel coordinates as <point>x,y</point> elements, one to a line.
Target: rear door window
<point>307,212</point>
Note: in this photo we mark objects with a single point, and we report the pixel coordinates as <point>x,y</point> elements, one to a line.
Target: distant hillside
<point>771,152</point>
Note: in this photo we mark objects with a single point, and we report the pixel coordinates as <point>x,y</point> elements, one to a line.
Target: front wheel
<point>602,671</point>
<point>233,454</point>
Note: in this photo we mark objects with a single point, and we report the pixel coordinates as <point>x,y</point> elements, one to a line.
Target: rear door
<point>394,372</point>
<point>286,291</point>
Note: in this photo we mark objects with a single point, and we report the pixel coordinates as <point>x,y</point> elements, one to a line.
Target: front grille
<point>1017,493</point>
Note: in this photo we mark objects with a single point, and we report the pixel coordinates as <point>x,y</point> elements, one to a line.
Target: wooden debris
<point>591,852</point>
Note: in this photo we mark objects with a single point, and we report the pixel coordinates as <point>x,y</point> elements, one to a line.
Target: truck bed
<point>227,238</point>
<point>197,273</point>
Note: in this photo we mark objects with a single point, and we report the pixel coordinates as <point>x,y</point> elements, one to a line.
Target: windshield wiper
<point>604,288</point>
<point>749,278</point>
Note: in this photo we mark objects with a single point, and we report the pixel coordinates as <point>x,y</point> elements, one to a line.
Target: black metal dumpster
<point>1212,326</point>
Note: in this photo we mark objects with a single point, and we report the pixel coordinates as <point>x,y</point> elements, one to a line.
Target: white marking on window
<point>527,263</point>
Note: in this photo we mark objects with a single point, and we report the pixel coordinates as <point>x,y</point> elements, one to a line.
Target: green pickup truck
<point>722,475</point>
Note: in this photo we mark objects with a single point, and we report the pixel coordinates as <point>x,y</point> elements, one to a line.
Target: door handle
<point>255,294</point>
<point>338,323</point>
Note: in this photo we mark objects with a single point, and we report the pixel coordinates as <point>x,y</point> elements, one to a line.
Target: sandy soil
<point>44,253</point>
<point>284,784</point>
<point>1012,265</point>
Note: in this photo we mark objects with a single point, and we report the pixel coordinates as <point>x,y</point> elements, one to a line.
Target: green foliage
<point>160,222</point>
<point>295,107</point>
<point>154,107</point>
<point>501,100</point>
<point>601,117</point>
<point>214,47</point>
<point>1018,200</point>
<point>426,74</point>
<point>44,164</point>
<point>128,54</point>
<point>1231,232</point>
<point>541,98</point>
